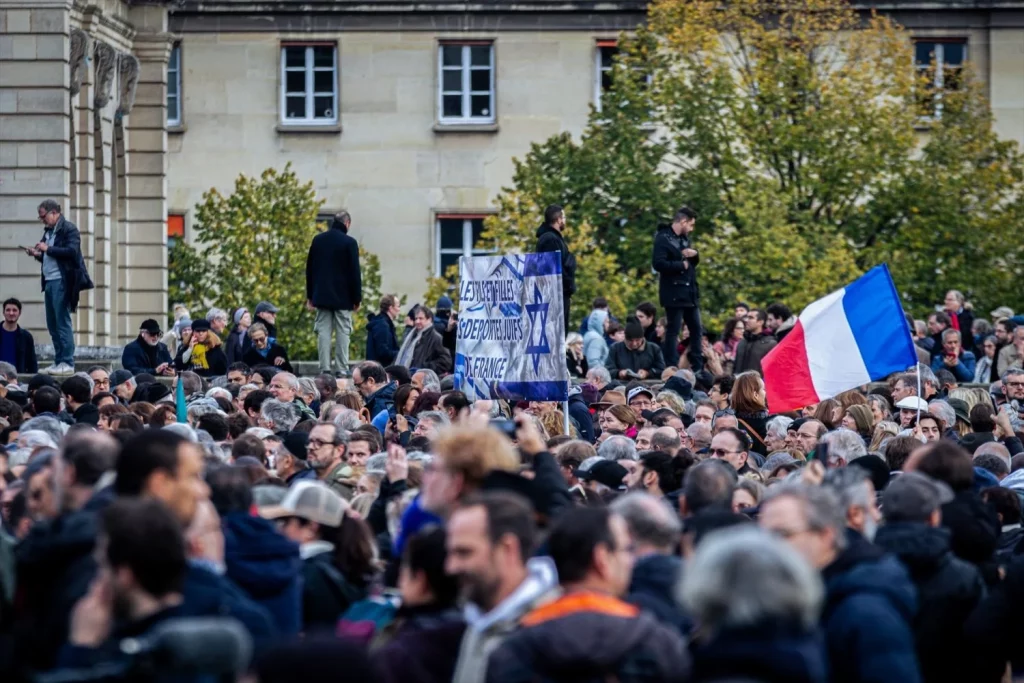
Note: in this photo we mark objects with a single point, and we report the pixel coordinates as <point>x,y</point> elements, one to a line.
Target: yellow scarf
<point>199,357</point>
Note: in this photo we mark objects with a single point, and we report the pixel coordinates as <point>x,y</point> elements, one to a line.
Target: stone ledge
<point>466,128</point>
<point>285,129</point>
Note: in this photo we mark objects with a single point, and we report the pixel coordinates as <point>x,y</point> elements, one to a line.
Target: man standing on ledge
<point>63,278</point>
<point>334,289</point>
<point>676,263</point>
<point>549,238</point>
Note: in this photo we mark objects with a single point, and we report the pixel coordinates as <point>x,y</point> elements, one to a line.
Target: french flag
<point>849,338</point>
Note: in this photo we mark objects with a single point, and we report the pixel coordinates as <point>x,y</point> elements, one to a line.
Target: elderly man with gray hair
<point>871,601</point>
<point>218,319</point>
<point>844,446</point>
<point>617,448</point>
<point>278,416</point>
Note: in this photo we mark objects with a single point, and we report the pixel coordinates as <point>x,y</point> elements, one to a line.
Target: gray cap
<point>913,497</point>
<point>265,307</point>
<point>119,377</point>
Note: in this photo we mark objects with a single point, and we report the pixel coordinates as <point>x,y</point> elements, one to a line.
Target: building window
<point>309,84</point>
<point>174,87</point>
<point>604,59</point>
<point>466,83</point>
<point>458,235</point>
<point>940,62</point>
<point>175,228</point>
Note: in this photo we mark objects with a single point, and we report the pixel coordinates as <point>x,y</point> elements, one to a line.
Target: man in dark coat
<point>960,319</point>
<point>381,340</point>
<point>550,238</point>
<point>147,353</point>
<point>423,347</point>
<point>334,288</point>
<point>948,589</point>
<point>676,262</point>
<point>63,279</point>
<point>579,413</point>
<point>16,344</point>
<point>635,358</point>
<point>757,341</point>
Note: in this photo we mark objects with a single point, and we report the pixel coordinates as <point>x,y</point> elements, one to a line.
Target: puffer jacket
<point>595,348</point>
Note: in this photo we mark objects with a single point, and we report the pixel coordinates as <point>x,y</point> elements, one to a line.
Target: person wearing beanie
<point>635,358</point>
<point>236,338</point>
<point>208,358</point>
<point>334,290</point>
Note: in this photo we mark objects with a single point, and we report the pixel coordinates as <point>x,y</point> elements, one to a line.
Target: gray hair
<point>216,314</point>
<point>436,416</point>
<point>850,485</point>
<point>700,435</point>
<point>377,463</point>
<point>709,483</point>
<point>419,456</point>
<point>665,439</point>
<point>943,411</point>
<point>927,376</point>
<point>997,449</point>
<point>257,327</point>
<point>778,426</point>
<point>347,419</point>
<point>845,444</point>
<point>743,577</point>
<point>820,504</point>
<point>573,338</point>
<point>50,205</point>
<point>259,432</point>
<point>219,391</point>
<point>884,406</point>
<point>203,407</point>
<point>28,441</point>
<point>1010,372</point>
<point>431,382</point>
<point>283,415</point>
<point>600,374</point>
<point>182,430</point>
<point>617,448</point>
<point>292,380</point>
<point>307,385</point>
<point>650,520</point>
<point>688,375</point>
<point>950,332</point>
<point>9,371</point>
<point>53,427</point>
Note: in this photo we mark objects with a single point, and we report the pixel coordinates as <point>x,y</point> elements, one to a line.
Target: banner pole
<point>565,412</point>
<point>920,396</point>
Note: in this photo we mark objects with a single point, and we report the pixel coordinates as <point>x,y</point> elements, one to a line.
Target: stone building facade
<point>82,120</point>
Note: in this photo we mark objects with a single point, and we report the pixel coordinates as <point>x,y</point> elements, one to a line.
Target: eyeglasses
<point>788,533</point>
<point>1015,385</point>
<point>102,382</point>
<point>317,443</point>
<point>720,452</point>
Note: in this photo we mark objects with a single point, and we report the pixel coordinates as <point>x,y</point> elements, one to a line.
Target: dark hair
<point>455,400</point>
<point>729,328</point>
<point>162,415</point>
<point>399,373</point>
<point>983,418</point>
<point>898,449</point>
<point>557,440</point>
<point>265,372</point>
<point>241,367</point>
<point>648,309</point>
<point>1008,324</point>
<point>143,535</point>
<point>614,327</point>
<point>741,437</point>
<point>145,453</point>
<point>249,444</point>
<point>426,401</point>
<point>238,422</point>
<point>354,549</point>
<point>100,397</point>
<point>386,302</point>
<point>1004,500</point>
<point>91,454</point>
<point>941,318</point>
<point>425,552</point>
<point>367,433</point>
<point>992,463</point>
<point>574,538</point>
<point>229,489</point>
<point>507,513</point>
<point>215,425</point>
<point>12,301</point>
<point>709,483</point>
<point>660,463</point>
<point>725,384</point>
<point>684,212</point>
<point>401,397</point>
<point>779,310</point>
<point>371,369</point>
<point>600,302</point>
<point>127,421</point>
<point>12,411</point>
<point>420,443</point>
<point>254,400</point>
<point>46,400</point>
<point>552,213</point>
<point>948,462</point>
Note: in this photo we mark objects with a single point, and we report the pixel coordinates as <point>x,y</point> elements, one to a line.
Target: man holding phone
<point>63,278</point>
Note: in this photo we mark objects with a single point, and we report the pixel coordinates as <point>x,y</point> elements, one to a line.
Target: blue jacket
<point>870,604</point>
<point>381,341</point>
<point>135,360</point>
<point>963,371</point>
<point>382,399</point>
<point>652,588</point>
<point>209,595</point>
<point>265,565</point>
<point>580,414</point>
<point>768,652</point>
<point>24,351</point>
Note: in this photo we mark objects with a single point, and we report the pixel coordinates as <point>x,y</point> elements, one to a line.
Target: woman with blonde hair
<point>575,359</point>
<point>968,396</point>
<point>672,401</point>
<point>748,399</point>
<point>883,430</point>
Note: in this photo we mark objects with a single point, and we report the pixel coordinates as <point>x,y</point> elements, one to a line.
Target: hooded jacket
<point>381,340</point>
<point>948,590</point>
<point>677,284</point>
<point>652,589</point>
<point>767,653</point>
<point>549,239</point>
<point>486,632</point>
<point>595,348</point>
<point>588,637</point>
<point>266,566</point>
<point>234,344</point>
<point>870,605</point>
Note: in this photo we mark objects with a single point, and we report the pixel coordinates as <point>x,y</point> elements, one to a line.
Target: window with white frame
<point>174,87</point>
<point>309,84</point>
<point>604,60</point>
<point>940,62</point>
<point>466,83</point>
<point>457,235</point>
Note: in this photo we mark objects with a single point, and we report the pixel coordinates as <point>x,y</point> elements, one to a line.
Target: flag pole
<point>920,396</point>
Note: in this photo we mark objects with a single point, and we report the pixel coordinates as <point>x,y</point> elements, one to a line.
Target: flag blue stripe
<point>546,263</point>
<point>532,391</point>
<point>878,323</point>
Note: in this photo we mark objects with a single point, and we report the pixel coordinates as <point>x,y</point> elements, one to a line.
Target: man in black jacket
<point>676,262</point>
<point>334,288</point>
<point>16,345</point>
<point>549,238</point>
<point>381,340</point>
<point>63,278</point>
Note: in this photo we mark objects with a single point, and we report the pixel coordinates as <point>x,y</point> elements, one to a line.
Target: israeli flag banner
<point>511,339</point>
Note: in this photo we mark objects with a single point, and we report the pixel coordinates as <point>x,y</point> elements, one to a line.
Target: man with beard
<point>653,476</point>
<point>147,353</point>
<point>490,538</point>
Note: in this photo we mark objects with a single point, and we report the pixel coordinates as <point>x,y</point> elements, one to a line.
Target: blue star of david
<point>539,343</point>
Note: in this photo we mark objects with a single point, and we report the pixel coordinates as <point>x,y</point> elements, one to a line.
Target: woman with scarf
<point>208,357</point>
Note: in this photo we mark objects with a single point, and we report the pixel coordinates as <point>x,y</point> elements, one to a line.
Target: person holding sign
<point>550,238</point>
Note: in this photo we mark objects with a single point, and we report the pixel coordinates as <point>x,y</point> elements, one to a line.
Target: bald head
<point>994,448</point>
<point>665,439</point>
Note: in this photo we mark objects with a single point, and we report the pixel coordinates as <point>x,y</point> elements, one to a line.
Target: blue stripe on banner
<point>546,263</point>
<point>878,323</point>
<point>532,391</point>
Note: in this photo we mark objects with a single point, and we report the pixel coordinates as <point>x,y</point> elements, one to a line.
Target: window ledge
<point>465,127</point>
<point>286,128</point>
<point>177,129</point>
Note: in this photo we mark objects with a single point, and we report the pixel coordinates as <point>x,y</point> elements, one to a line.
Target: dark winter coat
<point>974,528</point>
<point>326,593</point>
<point>333,277</point>
<point>586,638</point>
<point>577,368</point>
<point>549,239</point>
<point>424,647</point>
<point>870,605</point>
<point>138,356</point>
<point>751,350</point>
<point>757,431</point>
<point>652,589</point>
<point>381,341</point>
<point>649,358</point>
<point>382,399</point>
<point>995,630</point>
<point>580,414</point>
<point>234,345</point>
<point>67,249</point>
<point>767,653</point>
<point>431,354</point>
<point>677,284</point>
<point>88,414</point>
<point>25,352</point>
<point>1008,544</point>
<point>948,590</point>
<point>266,566</point>
<point>206,594</point>
<point>252,357</point>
